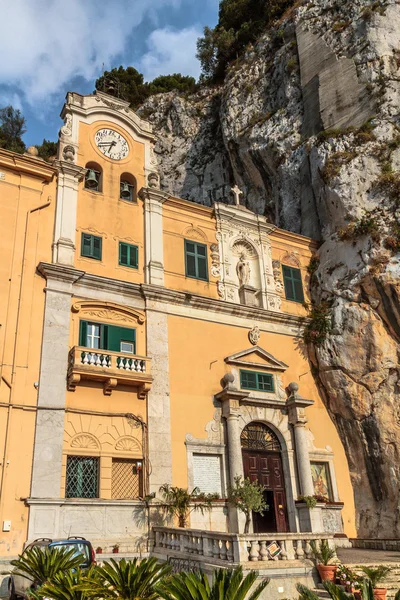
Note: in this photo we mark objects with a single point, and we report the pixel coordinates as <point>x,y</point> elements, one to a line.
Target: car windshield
<point>78,547</point>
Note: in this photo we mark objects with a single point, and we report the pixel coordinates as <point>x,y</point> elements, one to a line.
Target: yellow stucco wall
<point>197,350</point>
<point>103,213</point>
<point>27,206</point>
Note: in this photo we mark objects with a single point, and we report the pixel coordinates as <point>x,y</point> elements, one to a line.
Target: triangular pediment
<point>256,357</point>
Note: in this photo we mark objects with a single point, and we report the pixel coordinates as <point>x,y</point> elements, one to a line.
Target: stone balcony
<point>109,368</point>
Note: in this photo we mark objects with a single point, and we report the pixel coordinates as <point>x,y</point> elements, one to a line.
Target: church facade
<point>165,346</point>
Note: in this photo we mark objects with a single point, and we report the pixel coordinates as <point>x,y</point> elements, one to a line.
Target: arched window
<point>127,188</point>
<point>257,436</point>
<point>93,177</point>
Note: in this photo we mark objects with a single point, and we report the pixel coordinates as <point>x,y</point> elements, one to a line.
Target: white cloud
<point>171,51</point>
<point>10,98</point>
<point>45,43</point>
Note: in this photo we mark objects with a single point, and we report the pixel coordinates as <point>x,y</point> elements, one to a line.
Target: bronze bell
<point>125,191</point>
<point>91,180</point>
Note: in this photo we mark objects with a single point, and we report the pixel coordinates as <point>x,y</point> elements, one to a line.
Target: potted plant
<point>99,550</point>
<point>247,496</point>
<point>323,556</point>
<point>376,576</point>
<point>310,501</point>
<point>115,548</point>
<point>179,502</point>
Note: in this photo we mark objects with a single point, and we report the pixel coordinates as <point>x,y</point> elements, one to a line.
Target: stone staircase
<point>391,582</point>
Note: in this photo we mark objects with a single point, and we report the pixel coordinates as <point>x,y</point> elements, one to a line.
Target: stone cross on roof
<point>236,191</point>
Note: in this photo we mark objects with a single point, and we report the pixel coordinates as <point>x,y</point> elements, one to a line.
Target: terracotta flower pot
<point>380,593</point>
<point>115,550</point>
<point>327,572</point>
<point>99,550</point>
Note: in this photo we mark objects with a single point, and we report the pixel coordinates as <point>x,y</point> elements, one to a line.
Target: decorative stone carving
<point>237,192</point>
<point>290,259</point>
<point>153,180</point>
<point>254,335</point>
<point>277,271</point>
<point>274,302</point>
<point>215,260</point>
<point>112,315</point>
<point>66,129</point>
<point>243,270</point>
<point>214,429</point>
<point>244,247</point>
<point>109,310</point>
<point>85,440</point>
<point>332,520</point>
<point>128,444</point>
<point>109,385</point>
<point>112,105</point>
<point>221,289</point>
<point>195,233</point>
<point>69,153</point>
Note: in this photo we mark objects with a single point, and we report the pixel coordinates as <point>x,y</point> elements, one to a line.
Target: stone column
<point>154,251</point>
<point>310,519</point>
<point>69,177</point>
<point>230,398</point>
<point>49,433</point>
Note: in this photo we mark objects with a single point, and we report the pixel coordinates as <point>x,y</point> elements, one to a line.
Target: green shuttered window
<point>91,246</point>
<point>107,337</point>
<point>196,260</point>
<point>251,380</point>
<point>293,284</point>
<point>128,255</point>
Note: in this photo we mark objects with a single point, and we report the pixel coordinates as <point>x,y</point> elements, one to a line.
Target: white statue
<point>243,270</point>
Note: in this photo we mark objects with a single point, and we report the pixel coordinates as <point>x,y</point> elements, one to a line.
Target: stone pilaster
<point>158,401</point>
<point>49,434</point>
<point>69,177</point>
<point>230,398</point>
<point>154,252</point>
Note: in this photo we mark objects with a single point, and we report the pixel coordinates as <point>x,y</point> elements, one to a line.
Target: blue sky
<point>49,47</point>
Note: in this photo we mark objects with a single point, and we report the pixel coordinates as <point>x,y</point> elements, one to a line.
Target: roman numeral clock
<point>112,144</point>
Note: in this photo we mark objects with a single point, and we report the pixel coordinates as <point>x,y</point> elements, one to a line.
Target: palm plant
<point>226,585</point>
<point>125,580</point>
<point>65,586</point>
<point>376,575</point>
<point>179,502</point>
<point>306,593</point>
<point>397,596</point>
<point>43,564</point>
<point>336,592</point>
<point>324,554</point>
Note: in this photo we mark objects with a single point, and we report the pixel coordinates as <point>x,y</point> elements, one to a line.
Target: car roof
<point>71,540</point>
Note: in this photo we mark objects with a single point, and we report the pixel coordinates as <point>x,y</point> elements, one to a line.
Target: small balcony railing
<point>109,368</point>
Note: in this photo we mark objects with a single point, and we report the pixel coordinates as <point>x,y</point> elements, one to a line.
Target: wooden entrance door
<point>266,468</point>
<point>263,463</point>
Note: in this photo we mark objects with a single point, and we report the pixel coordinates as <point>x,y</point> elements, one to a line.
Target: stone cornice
<point>69,168</point>
<point>153,194</point>
<point>23,163</point>
<point>190,206</point>
<point>289,236</point>
<point>242,217</point>
<point>160,295</point>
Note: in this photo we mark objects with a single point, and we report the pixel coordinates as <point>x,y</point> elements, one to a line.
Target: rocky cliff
<point>307,124</point>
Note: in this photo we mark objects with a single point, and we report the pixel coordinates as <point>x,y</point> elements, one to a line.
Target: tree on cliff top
<point>12,127</point>
<point>128,84</point>
<point>240,23</point>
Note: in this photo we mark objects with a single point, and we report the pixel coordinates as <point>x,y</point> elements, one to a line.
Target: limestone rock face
<point>288,125</point>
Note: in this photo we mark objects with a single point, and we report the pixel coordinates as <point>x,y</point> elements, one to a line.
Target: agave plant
<point>376,575</point>
<point>65,586</point>
<point>226,585</point>
<point>43,564</point>
<point>125,580</point>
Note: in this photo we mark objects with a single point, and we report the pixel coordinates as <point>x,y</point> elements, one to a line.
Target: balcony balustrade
<point>109,368</point>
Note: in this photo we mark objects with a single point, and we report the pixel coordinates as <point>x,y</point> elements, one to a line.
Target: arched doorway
<point>262,461</point>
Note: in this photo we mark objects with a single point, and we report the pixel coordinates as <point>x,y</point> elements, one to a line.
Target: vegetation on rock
<point>128,84</point>
<point>240,23</point>
<point>319,323</point>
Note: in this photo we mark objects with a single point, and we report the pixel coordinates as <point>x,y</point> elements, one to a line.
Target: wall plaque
<point>207,473</point>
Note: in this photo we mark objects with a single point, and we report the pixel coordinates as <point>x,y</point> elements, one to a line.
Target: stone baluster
<point>263,551</point>
<point>284,553</point>
<point>254,552</point>
<point>308,550</point>
<point>290,550</point>
<point>223,551</point>
<point>299,550</point>
<point>230,553</point>
<point>92,358</point>
<point>215,550</point>
<point>207,546</point>
<point>85,358</point>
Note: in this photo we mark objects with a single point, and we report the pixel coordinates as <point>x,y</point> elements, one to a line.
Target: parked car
<point>18,586</point>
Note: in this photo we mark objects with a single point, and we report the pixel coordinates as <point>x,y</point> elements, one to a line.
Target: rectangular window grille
<point>128,255</point>
<point>82,479</point>
<point>91,246</point>
<point>126,479</point>
<point>251,380</point>
<point>196,260</point>
<point>293,284</point>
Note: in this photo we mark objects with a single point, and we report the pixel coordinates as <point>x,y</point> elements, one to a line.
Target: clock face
<point>111,144</point>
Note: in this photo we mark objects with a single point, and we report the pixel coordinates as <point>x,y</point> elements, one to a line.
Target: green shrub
<point>367,225</point>
<point>319,324</point>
